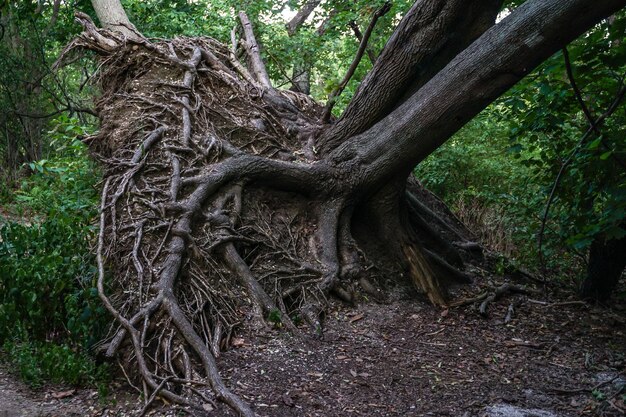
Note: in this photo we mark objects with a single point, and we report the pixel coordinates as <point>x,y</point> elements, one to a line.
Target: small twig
<point>128,379</point>
<point>584,107</point>
<point>499,292</point>
<point>509,313</point>
<point>359,35</point>
<point>583,390</point>
<point>559,304</point>
<point>153,396</point>
<point>577,93</point>
<point>332,98</point>
<point>467,301</point>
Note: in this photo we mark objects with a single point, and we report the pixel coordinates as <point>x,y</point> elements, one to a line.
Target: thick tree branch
<point>305,11</point>
<point>428,37</point>
<point>469,83</point>
<point>258,67</point>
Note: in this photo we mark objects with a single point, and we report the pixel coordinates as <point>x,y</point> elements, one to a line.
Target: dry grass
<point>488,223</point>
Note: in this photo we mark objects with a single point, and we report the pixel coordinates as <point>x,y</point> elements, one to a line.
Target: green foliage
<point>170,18</point>
<point>49,308</point>
<point>508,158</point>
<point>598,395</point>
<point>329,52</point>
<point>274,317</point>
<point>32,36</point>
<point>326,53</point>
<point>37,362</point>
<point>549,129</point>
<point>476,173</point>
<point>65,181</point>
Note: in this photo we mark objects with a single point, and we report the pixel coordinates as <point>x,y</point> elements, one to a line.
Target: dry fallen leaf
<point>288,400</point>
<point>353,372</point>
<point>207,407</point>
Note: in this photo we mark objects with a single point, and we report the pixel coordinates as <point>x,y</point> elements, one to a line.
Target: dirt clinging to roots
<point>190,248</point>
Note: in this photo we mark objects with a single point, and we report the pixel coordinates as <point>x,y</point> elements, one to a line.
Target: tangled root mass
<point>215,212</point>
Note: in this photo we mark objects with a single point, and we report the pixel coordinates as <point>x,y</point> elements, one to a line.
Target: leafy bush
<point>50,313</point>
<point>500,170</point>
<point>36,362</point>
<point>479,176</point>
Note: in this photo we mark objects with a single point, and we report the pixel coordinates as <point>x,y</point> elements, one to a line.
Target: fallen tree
<point>226,201</point>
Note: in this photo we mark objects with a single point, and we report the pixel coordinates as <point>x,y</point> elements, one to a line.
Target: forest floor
<point>560,358</point>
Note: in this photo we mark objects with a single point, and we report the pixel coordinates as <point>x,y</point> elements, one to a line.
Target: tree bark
<point>112,16</point>
<point>428,37</point>
<point>305,11</point>
<point>469,83</point>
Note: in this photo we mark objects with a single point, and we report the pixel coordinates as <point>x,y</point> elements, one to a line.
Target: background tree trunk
<point>301,73</point>
<point>607,260</point>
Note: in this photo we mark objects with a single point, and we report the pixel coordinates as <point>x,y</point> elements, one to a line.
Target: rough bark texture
<point>304,12</point>
<point>216,211</point>
<point>473,79</point>
<point>112,16</point>
<point>427,38</point>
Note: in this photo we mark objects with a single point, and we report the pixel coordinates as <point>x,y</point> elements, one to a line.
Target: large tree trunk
<point>217,207</point>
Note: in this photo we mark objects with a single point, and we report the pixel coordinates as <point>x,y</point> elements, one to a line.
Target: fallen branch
<point>502,290</point>
<point>252,47</point>
<point>332,98</point>
<point>557,304</point>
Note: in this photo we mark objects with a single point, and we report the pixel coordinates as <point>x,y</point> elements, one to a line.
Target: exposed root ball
<point>216,211</point>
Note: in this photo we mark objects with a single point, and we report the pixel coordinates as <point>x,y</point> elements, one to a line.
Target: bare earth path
<point>406,359</point>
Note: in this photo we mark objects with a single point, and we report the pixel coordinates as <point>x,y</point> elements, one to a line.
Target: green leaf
<point>606,155</point>
<point>594,144</point>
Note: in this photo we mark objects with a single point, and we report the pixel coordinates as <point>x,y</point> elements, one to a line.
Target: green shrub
<point>36,362</point>
<point>50,314</point>
<point>488,186</point>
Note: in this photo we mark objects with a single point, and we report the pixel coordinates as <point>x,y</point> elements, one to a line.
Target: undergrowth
<point>50,314</point>
<point>493,191</point>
